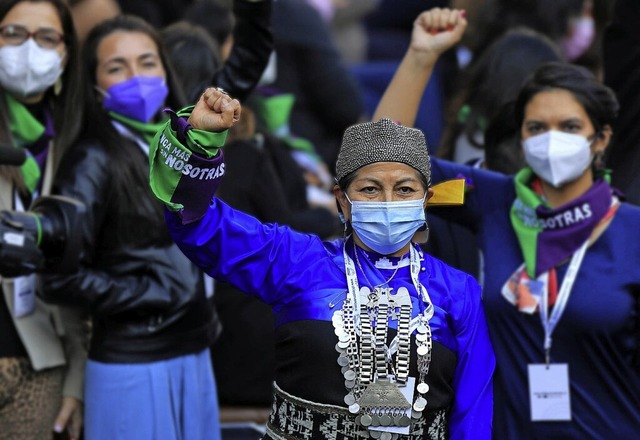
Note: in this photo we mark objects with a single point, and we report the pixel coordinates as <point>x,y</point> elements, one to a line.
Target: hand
<point>436,30</point>
<point>70,417</point>
<point>215,111</point>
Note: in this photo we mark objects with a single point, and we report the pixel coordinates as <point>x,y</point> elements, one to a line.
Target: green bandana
<point>171,161</point>
<point>548,236</point>
<point>25,130</point>
<point>275,111</point>
<point>527,234</point>
<point>146,131</point>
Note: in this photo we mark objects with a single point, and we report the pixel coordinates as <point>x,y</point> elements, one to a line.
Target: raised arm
<point>434,32</point>
<point>185,158</point>
<point>186,167</point>
<point>253,43</point>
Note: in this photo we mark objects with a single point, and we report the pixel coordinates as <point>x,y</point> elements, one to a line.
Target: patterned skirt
<point>293,418</point>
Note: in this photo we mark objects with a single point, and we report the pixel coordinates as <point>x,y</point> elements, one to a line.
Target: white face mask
<point>28,69</point>
<point>557,157</point>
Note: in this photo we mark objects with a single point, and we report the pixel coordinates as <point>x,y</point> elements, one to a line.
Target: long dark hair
<point>492,81</point>
<point>98,125</point>
<point>195,56</point>
<point>598,100</point>
<point>63,106</point>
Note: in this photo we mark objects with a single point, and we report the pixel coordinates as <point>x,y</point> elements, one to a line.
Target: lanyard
<point>415,272</point>
<point>549,322</point>
<point>354,289</point>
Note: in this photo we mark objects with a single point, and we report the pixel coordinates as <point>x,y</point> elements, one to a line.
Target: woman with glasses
<point>41,347</point>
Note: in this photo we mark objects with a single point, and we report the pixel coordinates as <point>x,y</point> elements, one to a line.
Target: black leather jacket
<point>253,43</point>
<point>146,298</point>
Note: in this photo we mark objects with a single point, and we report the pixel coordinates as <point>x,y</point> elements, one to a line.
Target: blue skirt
<point>173,399</point>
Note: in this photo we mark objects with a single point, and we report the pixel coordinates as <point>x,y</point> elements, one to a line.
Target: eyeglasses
<point>14,35</point>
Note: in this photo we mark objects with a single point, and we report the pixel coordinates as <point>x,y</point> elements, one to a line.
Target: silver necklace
<point>384,283</point>
<point>361,326</point>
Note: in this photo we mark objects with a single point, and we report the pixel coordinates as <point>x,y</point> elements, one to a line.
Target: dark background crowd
<point>331,62</point>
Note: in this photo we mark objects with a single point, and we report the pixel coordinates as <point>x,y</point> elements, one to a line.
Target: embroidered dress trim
<point>293,418</point>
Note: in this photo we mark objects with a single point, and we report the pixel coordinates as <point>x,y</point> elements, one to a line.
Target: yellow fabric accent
<point>449,192</point>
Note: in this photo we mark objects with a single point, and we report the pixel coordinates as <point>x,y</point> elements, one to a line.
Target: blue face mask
<point>386,227</point>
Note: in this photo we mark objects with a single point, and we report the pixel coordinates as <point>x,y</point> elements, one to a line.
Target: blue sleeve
<point>486,192</point>
<point>472,410</point>
<point>262,260</point>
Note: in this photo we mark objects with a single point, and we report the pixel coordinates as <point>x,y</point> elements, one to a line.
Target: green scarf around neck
<point>145,130</point>
<point>25,130</point>
<point>275,112</point>
<point>547,235</point>
<point>526,202</point>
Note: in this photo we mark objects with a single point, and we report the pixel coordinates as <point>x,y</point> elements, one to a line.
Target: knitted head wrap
<point>382,141</point>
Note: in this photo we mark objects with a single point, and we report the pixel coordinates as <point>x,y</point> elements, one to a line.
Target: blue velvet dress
<point>303,279</point>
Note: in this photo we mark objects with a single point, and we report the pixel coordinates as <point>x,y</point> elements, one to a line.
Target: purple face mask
<point>581,38</point>
<point>137,98</point>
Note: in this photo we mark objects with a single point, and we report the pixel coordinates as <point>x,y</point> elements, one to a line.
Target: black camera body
<point>41,239</point>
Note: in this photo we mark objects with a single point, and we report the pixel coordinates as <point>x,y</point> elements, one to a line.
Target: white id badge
<point>24,295</point>
<point>549,392</point>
